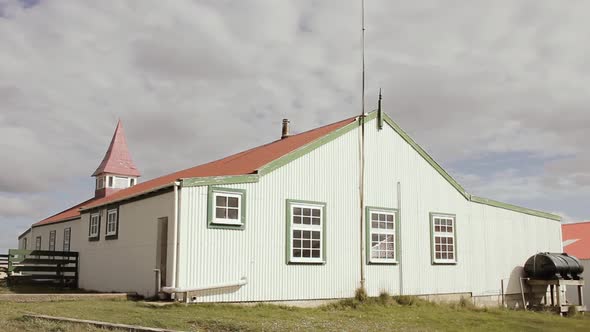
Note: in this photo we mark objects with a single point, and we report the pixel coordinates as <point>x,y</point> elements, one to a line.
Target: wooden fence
<point>45,267</point>
<point>4,263</point>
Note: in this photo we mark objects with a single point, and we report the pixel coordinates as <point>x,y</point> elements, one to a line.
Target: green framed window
<point>443,238</point>
<point>112,224</point>
<point>94,227</point>
<point>226,208</point>
<point>306,232</point>
<point>382,235</point>
<point>52,236</point>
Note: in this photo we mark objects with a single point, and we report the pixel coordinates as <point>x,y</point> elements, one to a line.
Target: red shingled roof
<point>578,235</point>
<point>117,159</point>
<point>246,162</point>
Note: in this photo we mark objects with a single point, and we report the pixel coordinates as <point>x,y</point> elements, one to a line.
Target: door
<point>162,249</point>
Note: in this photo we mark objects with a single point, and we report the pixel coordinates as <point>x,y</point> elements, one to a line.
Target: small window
<point>112,224</point>
<point>444,246</point>
<point>52,241</point>
<point>94,226</point>
<point>24,244</point>
<point>38,243</point>
<point>67,238</point>
<point>306,224</point>
<point>226,208</point>
<point>381,232</point>
<point>110,181</point>
<point>131,182</point>
<point>100,182</point>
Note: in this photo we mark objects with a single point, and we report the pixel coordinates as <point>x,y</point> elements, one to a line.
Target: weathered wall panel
<point>125,264</point>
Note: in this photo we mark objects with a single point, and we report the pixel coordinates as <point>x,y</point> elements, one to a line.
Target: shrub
<point>466,303</point>
<point>360,294</point>
<point>406,300</point>
<point>385,298</point>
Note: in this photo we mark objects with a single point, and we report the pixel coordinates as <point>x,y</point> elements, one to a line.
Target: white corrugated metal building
<point>283,222</point>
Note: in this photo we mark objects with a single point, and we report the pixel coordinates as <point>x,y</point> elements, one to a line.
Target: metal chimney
<point>285,132</point>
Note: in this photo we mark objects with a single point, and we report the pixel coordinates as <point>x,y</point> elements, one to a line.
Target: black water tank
<point>553,266</point>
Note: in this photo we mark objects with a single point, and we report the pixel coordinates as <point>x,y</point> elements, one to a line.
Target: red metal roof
<point>578,236</point>
<point>68,214</point>
<point>245,162</point>
<point>117,160</point>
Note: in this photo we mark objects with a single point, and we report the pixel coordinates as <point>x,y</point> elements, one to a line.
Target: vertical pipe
<point>174,274</point>
<point>362,200</point>
<point>399,238</point>
<point>502,292</point>
<point>362,150</point>
<point>522,292</point>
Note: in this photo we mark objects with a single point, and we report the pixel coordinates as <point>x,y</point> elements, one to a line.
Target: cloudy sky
<point>496,91</point>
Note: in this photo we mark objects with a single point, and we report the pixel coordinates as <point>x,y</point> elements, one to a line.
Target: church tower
<point>116,171</point>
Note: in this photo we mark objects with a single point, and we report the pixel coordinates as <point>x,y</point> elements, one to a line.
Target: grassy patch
<point>34,289</point>
<point>381,313</point>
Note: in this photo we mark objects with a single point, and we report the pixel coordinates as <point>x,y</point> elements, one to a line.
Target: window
<point>67,238</point>
<point>306,228</point>
<point>52,241</point>
<point>94,226</point>
<point>112,224</point>
<point>38,243</point>
<point>110,181</point>
<point>444,247</point>
<point>131,182</point>
<point>381,235</point>
<point>24,244</point>
<point>226,208</point>
<point>100,182</point>
<point>121,182</point>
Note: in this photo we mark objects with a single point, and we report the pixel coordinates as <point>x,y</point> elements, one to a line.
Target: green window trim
<point>211,224</point>
<point>368,229</point>
<point>289,234</point>
<point>432,244</point>
<point>96,236</point>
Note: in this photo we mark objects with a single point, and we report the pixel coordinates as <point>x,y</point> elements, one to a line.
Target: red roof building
<point>117,162</point>
<point>576,239</point>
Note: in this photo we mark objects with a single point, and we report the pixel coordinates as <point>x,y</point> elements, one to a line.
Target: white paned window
<point>307,232</point>
<point>67,238</point>
<point>24,243</point>
<point>131,182</point>
<point>382,236</point>
<point>227,208</point>
<point>121,182</point>
<point>94,226</point>
<point>38,243</point>
<point>112,221</point>
<point>52,241</point>
<point>443,239</point>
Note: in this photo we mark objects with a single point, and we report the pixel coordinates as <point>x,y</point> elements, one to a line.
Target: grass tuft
<point>408,300</point>
<point>361,294</point>
<point>385,298</point>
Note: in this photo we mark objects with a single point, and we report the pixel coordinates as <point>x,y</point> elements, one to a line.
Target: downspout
<point>399,238</point>
<point>175,235</point>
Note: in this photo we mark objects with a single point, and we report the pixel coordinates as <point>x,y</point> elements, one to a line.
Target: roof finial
<point>379,112</point>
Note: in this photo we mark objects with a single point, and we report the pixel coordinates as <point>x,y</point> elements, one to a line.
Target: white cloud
<point>197,80</point>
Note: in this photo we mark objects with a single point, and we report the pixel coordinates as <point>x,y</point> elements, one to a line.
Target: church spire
<point>117,170</point>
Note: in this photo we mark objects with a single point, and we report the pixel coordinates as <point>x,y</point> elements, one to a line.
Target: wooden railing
<point>39,266</point>
<point>3,263</point>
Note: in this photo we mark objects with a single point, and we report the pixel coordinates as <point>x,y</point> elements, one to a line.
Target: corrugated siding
<point>491,242</point>
<point>211,256</point>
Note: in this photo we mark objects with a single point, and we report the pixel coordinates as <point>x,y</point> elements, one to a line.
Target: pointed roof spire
<point>117,160</point>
